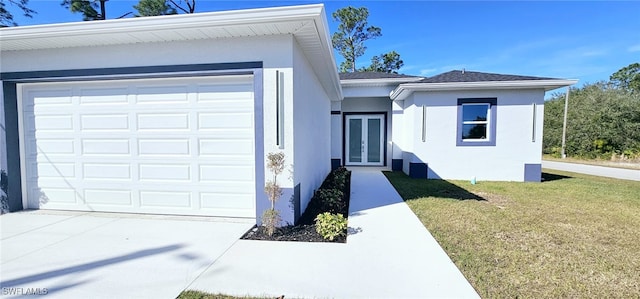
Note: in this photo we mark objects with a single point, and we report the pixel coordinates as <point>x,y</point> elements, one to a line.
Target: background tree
<point>352,32</point>
<point>386,63</point>
<point>602,122</point>
<point>627,78</point>
<point>189,6</point>
<point>147,8</point>
<point>88,8</point>
<point>6,17</point>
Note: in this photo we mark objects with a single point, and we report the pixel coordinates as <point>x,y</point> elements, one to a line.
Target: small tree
<point>271,217</point>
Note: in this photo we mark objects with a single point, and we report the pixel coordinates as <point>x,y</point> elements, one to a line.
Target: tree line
<point>349,40</point>
<point>603,119</point>
<point>92,10</point>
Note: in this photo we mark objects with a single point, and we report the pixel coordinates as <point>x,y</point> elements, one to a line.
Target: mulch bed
<point>305,230</point>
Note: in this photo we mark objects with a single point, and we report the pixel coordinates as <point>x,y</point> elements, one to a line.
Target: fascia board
<point>321,25</point>
<point>186,21</point>
<point>378,82</point>
<point>404,90</point>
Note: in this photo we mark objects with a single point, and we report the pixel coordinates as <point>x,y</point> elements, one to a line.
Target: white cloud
<point>634,48</point>
<point>427,72</point>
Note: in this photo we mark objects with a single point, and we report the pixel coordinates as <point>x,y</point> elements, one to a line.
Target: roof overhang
<point>404,90</point>
<point>377,82</point>
<point>307,23</point>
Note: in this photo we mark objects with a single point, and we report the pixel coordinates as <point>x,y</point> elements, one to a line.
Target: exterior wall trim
<point>533,172</point>
<point>418,170</point>
<point>134,72</point>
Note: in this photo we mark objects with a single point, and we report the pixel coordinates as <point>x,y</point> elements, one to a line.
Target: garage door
<point>164,146</point>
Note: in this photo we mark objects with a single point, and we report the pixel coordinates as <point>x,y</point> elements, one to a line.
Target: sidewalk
<point>618,173</point>
<point>389,254</point>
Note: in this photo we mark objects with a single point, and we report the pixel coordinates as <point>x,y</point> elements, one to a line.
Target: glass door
<point>365,139</point>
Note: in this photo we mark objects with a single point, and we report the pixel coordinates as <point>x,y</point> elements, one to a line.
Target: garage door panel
<point>164,121</point>
<point>144,146</point>
<point>233,147</point>
<point>225,121</point>
<point>104,171</point>
<point>47,99</point>
<point>106,146</point>
<point>51,170</point>
<point>163,172</point>
<point>104,96</point>
<point>56,146</point>
<point>55,195</point>
<point>165,199</point>
<point>161,94</point>
<point>110,122</point>
<point>225,200</point>
<point>166,147</point>
<point>108,197</point>
<point>219,173</point>
<point>54,122</point>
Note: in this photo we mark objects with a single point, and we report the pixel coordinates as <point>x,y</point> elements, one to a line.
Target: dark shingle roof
<point>469,76</point>
<point>372,75</point>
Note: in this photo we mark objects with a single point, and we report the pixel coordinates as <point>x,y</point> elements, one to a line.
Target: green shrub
<point>332,199</point>
<point>330,226</point>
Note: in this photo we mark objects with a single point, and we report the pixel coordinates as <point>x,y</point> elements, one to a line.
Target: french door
<point>365,139</point>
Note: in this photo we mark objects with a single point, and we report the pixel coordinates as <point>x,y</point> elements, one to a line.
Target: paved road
<point>618,173</point>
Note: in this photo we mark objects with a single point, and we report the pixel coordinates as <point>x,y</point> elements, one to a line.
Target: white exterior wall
<point>406,143</point>
<point>504,161</point>
<point>363,104</point>
<point>397,129</point>
<point>275,52</point>
<point>311,128</point>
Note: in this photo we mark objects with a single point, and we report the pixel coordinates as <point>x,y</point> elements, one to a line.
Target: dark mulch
<point>299,233</point>
<point>305,230</point>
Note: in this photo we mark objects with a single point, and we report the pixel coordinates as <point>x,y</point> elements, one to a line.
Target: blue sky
<point>578,40</point>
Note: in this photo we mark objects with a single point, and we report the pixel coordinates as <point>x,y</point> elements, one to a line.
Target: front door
<point>365,139</point>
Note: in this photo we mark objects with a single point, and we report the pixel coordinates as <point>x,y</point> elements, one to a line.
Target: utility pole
<point>564,124</point>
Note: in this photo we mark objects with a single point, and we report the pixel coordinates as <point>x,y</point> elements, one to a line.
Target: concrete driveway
<point>103,255</point>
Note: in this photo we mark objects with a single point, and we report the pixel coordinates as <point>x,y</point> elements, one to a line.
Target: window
<point>476,122</point>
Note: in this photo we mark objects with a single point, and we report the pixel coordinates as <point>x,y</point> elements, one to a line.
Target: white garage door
<point>165,146</point>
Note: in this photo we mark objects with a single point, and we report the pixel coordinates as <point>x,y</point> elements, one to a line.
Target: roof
<point>373,75</point>
<point>470,76</point>
<point>469,80</point>
<point>307,23</point>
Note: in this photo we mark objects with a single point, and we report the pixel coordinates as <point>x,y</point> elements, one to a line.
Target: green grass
<point>572,236</point>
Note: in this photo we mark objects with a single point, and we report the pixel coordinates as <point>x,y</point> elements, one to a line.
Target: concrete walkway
<point>389,254</point>
<point>618,173</point>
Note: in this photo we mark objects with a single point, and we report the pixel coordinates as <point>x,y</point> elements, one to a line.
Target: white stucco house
<point>175,115</point>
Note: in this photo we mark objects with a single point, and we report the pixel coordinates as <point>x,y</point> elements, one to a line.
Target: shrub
<point>330,226</point>
<point>270,221</point>
<point>332,199</point>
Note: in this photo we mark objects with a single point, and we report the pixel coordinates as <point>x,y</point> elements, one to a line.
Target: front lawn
<point>572,236</point>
